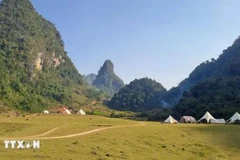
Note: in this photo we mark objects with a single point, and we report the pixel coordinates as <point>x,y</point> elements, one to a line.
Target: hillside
<point>35,70</point>
<point>226,65</point>
<point>140,95</point>
<point>219,96</point>
<point>107,80</point>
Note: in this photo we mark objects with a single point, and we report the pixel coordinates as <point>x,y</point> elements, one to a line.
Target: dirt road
<point>38,137</point>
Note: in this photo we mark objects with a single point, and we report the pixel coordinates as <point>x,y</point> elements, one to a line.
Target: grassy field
<point>117,139</point>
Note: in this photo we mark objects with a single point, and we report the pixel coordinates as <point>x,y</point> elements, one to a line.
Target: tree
<point>140,95</point>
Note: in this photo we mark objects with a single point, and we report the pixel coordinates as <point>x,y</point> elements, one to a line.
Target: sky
<point>160,39</point>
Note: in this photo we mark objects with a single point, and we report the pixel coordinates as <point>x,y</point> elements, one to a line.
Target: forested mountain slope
<point>220,96</point>
<point>140,95</point>
<point>227,65</point>
<point>35,71</point>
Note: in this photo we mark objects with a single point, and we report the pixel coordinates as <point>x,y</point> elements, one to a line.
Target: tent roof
<point>218,121</point>
<point>67,111</point>
<point>81,112</point>
<point>207,116</point>
<point>170,119</point>
<point>236,116</point>
<point>188,118</point>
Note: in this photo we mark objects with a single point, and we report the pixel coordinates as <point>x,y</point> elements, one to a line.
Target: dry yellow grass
<point>133,140</point>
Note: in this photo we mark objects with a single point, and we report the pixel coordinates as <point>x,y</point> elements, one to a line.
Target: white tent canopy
<point>207,116</point>
<point>217,121</point>
<point>170,119</point>
<point>46,112</point>
<point>81,112</point>
<point>187,119</point>
<point>67,111</point>
<point>235,117</point>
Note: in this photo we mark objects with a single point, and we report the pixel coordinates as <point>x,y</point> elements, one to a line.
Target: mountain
<point>220,96</point>
<point>35,71</point>
<point>140,95</point>
<point>226,65</point>
<point>213,86</point>
<point>90,78</point>
<point>107,80</point>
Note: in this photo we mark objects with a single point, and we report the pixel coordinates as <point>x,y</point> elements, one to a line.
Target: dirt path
<point>74,135</point>
<point>43,134</point>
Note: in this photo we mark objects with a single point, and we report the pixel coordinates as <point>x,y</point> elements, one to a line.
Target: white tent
<point>217,121</point>
<point>46,112</point>
<point>187,119</point>
<point>207,116</point>
<point>235,117</point>
<point>67,111</point>
<point>170,119</point>
<point>81,112</point>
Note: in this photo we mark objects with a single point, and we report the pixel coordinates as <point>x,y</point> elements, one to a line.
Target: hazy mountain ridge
<point>90,77</point>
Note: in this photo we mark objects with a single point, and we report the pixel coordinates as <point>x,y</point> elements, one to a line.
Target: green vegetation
<point>140,95</point>
<point>99,108</point>
<point>212,86</point>
<point>227,65</point>
<point>219,96</point>
<point>36,72</point>
<point>122,139</point>
<point>158,114</point>
<point>107,80</point>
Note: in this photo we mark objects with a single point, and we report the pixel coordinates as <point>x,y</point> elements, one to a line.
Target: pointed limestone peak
<point>107,79</point>
<point>108,66</point>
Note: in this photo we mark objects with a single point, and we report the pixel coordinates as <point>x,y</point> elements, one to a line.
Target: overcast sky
<point>161,39</point>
